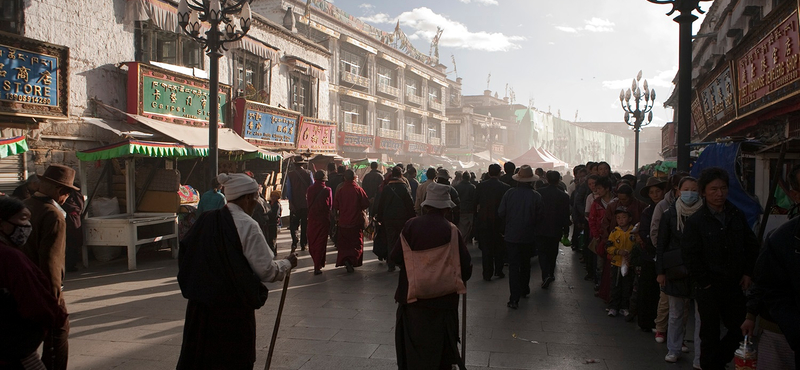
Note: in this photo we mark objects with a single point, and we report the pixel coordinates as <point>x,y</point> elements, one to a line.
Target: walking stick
<point>464,329</point>
<point>277,320</point>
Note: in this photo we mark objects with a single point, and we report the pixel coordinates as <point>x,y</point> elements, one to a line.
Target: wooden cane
<point>277,320</point>
<point>464,329</point>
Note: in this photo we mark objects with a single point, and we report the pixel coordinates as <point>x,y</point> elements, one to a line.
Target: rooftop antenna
<point>488,80</point>
<point>576,116</point>
<point>455,67</point>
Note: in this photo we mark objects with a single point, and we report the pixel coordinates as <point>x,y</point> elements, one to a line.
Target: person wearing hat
<point>319,198</point>
<point>224,262</point>
<point>426,335</point>
<point>644,301</point>
<point>297,183</point>
<point>443,177</point>
<point>46,247</point>
<point>393,208</point>
<point>619,247</point>
<point>521,207</point>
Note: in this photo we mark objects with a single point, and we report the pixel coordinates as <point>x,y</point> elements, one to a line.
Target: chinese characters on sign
<point>28,77</point>
<point>389,144</point>
<point>265,124</point>
<point>355,140</point>
<point>698,119</point>
<point>317,135</point>
<point>169,98</point>
<point>416,147</point>
<point>769,66</point>
<point>717,101</point>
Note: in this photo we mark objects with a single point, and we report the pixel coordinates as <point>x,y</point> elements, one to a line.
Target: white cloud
<point>423,23</point>
<point>551,43</point>
<point>662,79</point>
<point>366,6</point>
<point>591,25</point>
<point>484,2</point>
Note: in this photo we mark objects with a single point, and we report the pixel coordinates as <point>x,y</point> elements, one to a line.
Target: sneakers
<point>661,337</point>
<point>671,358</point>
<point>684,347</point>
<point>512,304</point>
<point>612,313</point>
<point>624,312</point>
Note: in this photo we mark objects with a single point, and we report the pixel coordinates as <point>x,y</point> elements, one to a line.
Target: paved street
<point>133,320</point>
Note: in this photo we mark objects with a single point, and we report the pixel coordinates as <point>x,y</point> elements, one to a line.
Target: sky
<point>572,56</point>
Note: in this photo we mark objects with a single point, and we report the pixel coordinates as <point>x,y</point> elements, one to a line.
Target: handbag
<point>674,268</point>
<point>434,272</point>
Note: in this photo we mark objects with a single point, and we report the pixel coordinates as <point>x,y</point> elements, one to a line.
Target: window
<point>250,76</point>
<point>434,94</point>
<point>386,76</point>
<point>412,87</point>
<point>11,16</point>
<point>353,63</point>
<point>300,94</point>
<point>453,138</point>
<point>352,113</point>
<point>433,129</point>
<point>153,44</point>
<point>386,120</point>
<point>413,125</point>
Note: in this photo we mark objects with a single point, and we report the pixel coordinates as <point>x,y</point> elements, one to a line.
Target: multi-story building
<point>108,57</point>
<point>388,98</point>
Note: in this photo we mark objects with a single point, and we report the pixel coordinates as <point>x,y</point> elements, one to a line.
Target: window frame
<point>353,60</point>
<point>308,84</point>
<point>147,34</point>
<point>262,80</point>
<point>392,120</point>
<point>417,125</point>
<point>453,141</point>
<point>359,111</point>
<point>392,75</point>
<point>17,18</point>
<point>416,87</point>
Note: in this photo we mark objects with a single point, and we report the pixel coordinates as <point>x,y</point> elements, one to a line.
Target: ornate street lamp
<point>233,16</point>
<point>641,112</point>
<point>487,127</point>
<point>685,19</point>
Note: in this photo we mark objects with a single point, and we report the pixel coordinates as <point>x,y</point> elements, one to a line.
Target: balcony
<point>437,106</point>
<point>420,138</point>
<point>435,140</point>
<point>355,79</point>
<point>389,90</point>
<point>356,128</point>
<point>413,99</point>
<point>389,134</point>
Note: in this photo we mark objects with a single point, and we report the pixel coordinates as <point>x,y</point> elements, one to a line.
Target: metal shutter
<point>10,173</point>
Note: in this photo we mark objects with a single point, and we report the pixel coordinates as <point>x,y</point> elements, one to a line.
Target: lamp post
<point>638,110</point>
<point>487,126</point>
<point>234,17</point>
<point>685,20</point>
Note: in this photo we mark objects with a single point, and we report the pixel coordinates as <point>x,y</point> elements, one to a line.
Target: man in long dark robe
<point>350,202</point>
<point>297,184</point>
<point>319,200</point>
<point>426,335</point>
<point>223,262</point>
<point>394,208</point>
<point>488,225</point>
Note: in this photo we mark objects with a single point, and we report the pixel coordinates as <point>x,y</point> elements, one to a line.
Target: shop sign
<point>770,70</point>
<point>33,78</point>
<point>498,149</point>
<point>415,147</point>
<point>717,101</point>
<point>698,118</point>
<point>436,149</point>
<point>391,145</point>
<point>316,135</point>
<point>168,96</point>
<point>265,125</point>
<point>350,139</point>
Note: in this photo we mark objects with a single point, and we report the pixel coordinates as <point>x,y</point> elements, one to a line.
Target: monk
<point>319,199</point>
<point>350,202</point>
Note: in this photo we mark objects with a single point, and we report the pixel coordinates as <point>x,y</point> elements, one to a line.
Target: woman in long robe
<point>319,200</point>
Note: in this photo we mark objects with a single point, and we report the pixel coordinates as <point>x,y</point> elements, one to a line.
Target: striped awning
<point>256,47</point>
<point>13,146</point>
<point>305,67</point>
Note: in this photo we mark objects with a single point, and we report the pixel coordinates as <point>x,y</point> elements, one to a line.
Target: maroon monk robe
<point>319,223</point>
<point>350,201</point>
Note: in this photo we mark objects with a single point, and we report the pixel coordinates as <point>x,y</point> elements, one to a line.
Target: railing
<point>420,138</point>
<point>411,98</point>
<point>432,104</point>
<point>389,134</point>
<point>389,90</point>
<point>355,128</point>
<point>355,79</point>
<point>434,140</point>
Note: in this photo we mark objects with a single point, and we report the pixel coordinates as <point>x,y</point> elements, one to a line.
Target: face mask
<point>690,197</point>
<point>20,234</point>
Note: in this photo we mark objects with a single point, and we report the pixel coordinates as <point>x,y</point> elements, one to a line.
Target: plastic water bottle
<point>745,357</point>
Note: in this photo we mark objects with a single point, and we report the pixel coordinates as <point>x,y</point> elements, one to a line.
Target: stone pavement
<point>134,320</point>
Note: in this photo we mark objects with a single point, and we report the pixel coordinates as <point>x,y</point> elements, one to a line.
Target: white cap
<point>237,184</point>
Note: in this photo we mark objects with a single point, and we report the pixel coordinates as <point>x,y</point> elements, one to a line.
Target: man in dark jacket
<point>720,249</point>
<point>508,177</point>
<point>522,209</point>
<point>488,225</point>
<point>393,208</point>
<point>297,184</point>
<point>466,194</point>
<point>554,224</point>
<point>372,181</point>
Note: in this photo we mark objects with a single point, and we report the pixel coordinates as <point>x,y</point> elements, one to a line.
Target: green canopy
<point>13,146</point>
<point>141,148</point>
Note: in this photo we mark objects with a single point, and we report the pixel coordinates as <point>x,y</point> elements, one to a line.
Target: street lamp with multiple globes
<point>234,16</point>
<point>641,112</point>
<point>685,20</point>
<point>487,127</point>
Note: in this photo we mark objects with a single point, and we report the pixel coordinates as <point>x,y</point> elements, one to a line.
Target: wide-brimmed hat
<point>438,196</point>
<point>653,181</point>
<point>320,176</point>
<point>300,160</point>
<point>60,175</point>
<point>443,173</point>
<point>525,174</point>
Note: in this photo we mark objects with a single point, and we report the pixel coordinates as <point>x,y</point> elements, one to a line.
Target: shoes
<point>697,367</point>
<point>612,313</point>
<point>294,247</point>
<point>546,283</point>
<point>380,259</point>
<point>671,358</point>
<point>487,278</point>
<point>348,266</point>
<point>661,337</point>
<point>317,272</point>
<point>597,287</point>
<point>500,275</point>
<point>624,312</point>
<point>684,347</point>
<point>526,293</point>
<point>391,269</point>
<point>512,304</point>
<point>588,277</point>
<point>302,247</point>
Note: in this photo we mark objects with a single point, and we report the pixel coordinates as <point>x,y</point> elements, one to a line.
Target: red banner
<point>316,135</point>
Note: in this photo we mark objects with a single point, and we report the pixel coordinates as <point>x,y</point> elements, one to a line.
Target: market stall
<point>12,171</point>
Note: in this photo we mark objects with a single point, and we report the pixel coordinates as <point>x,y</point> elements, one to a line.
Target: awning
<point>121,129</point>
<point>306,67</point>
<point>13,146</point>
<point>256,47</point>
<point>142,149</point>
<point>196,136</point>
<point>163,15</point>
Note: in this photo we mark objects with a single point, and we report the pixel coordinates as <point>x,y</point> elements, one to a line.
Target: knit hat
<point>237,184</point>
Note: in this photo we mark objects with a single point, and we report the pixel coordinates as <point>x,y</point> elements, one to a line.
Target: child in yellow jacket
<point>620,244</point>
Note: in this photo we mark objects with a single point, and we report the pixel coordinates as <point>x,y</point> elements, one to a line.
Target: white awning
<point>119,128</point>
<point>163,15</point>
<point>197,136</point>
<point>256,47</point>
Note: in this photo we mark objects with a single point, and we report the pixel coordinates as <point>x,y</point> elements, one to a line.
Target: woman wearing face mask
<point>673,275</point>
<point>27,307</point>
